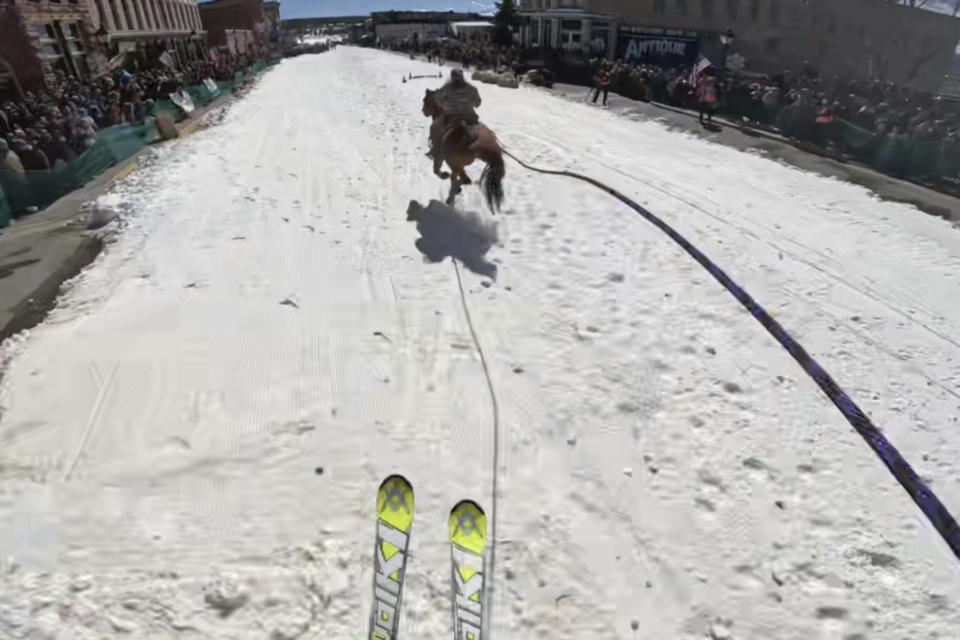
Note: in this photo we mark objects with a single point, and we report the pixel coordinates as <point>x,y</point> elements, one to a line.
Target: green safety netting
<point>5,213</point>
<point>40,188</point>
<point>37,189</point>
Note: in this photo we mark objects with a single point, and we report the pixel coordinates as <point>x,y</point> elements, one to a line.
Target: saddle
<point>463,128</point>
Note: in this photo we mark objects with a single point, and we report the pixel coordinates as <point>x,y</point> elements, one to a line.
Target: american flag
<point>703,63</point>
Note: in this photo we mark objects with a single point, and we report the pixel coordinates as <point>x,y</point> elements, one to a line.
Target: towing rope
<point>922,495</point>
<point>488,608</point>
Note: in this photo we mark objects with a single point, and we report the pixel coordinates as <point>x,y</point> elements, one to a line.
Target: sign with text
<point>658,48</point>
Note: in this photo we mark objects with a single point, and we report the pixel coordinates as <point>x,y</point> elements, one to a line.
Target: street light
<point>728,37</point>
<point>101,36</point>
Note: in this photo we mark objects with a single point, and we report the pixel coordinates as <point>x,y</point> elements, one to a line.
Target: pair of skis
<point>467,526</point>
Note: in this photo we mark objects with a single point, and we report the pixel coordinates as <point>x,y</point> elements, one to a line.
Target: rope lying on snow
<point>487,617</point>
<point>922,495</point>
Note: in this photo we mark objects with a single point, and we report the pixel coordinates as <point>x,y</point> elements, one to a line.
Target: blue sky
<point>323,8</point>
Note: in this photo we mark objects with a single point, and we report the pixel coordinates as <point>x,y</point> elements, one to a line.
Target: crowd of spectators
<point>474,52</point>
<point>50,128</point>
<point>898,129</point>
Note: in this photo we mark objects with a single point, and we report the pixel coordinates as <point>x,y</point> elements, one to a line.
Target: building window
<point>774,12</point>
<point>599,36</point>
<point>733,8</point>
<point>116,13</point>
<point>659,6</point>
<point>138,8</point>
<point>706,8</point>
<point>755,10</point>
<point>682,7</point>
<point>103,14</point>
<point>126,14</point>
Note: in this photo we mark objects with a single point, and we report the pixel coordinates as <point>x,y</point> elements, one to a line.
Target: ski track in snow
<point>263,312</point>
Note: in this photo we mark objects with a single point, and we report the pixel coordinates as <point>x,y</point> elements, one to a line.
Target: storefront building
<point>855,39</point>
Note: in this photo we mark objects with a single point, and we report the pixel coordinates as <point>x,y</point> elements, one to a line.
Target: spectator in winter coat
<point>32,159</point>
<point>603,84</point>
<point>9,161</point>
<point>707,94</point>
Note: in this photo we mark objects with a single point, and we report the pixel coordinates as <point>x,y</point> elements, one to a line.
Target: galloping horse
<point>460,147</point>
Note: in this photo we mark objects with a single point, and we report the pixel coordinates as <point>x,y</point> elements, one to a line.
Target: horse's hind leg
<point>464,178</point>
<point>438,164</point>
<point>436,139</point>
<point>454,189</point>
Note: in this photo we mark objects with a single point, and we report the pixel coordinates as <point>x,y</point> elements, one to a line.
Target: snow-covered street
<point>191,443</point>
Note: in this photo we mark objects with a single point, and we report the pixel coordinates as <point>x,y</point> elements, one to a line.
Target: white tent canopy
<point>464,28</point>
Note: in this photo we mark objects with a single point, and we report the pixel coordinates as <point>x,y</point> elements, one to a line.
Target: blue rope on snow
<point>923,496</point>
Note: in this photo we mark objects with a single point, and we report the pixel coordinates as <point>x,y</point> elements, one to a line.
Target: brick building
<point>271,10</point>
<point>858,39</point>
<point>147,27</point>
<point>229,22</point>
<point>40,40</point>
<point>43,39</point>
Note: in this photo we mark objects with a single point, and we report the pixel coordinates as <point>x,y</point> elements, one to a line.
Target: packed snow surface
<point>191,443</point>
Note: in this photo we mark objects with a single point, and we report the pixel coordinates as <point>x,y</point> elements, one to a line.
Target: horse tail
<point>491,180</point>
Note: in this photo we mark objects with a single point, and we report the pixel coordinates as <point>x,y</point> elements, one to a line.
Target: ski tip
<point>395,502</point>
<point>468,526</point>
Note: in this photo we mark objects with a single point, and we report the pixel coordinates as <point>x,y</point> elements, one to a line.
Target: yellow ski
<point>394,520</point>
<point>468,539</point>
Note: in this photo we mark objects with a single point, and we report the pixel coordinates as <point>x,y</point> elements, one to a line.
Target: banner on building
<point>167,60</point>
<point>115,62</point>
<point>661,47</point>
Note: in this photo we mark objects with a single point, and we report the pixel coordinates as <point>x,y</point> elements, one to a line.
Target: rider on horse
<point>458,99</point>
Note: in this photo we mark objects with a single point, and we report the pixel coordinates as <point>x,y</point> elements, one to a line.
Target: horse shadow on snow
<point>446,231</point>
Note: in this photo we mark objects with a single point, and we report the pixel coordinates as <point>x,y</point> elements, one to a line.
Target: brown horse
<point>460,145</point>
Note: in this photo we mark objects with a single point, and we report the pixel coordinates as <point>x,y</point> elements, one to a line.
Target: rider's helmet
<point>457,75</point>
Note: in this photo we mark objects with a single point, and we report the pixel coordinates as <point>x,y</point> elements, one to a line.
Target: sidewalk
<point>733,134</point>
<point>42,250</point>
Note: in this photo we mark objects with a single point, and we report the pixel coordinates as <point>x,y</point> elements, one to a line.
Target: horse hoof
<point>444,175</point>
